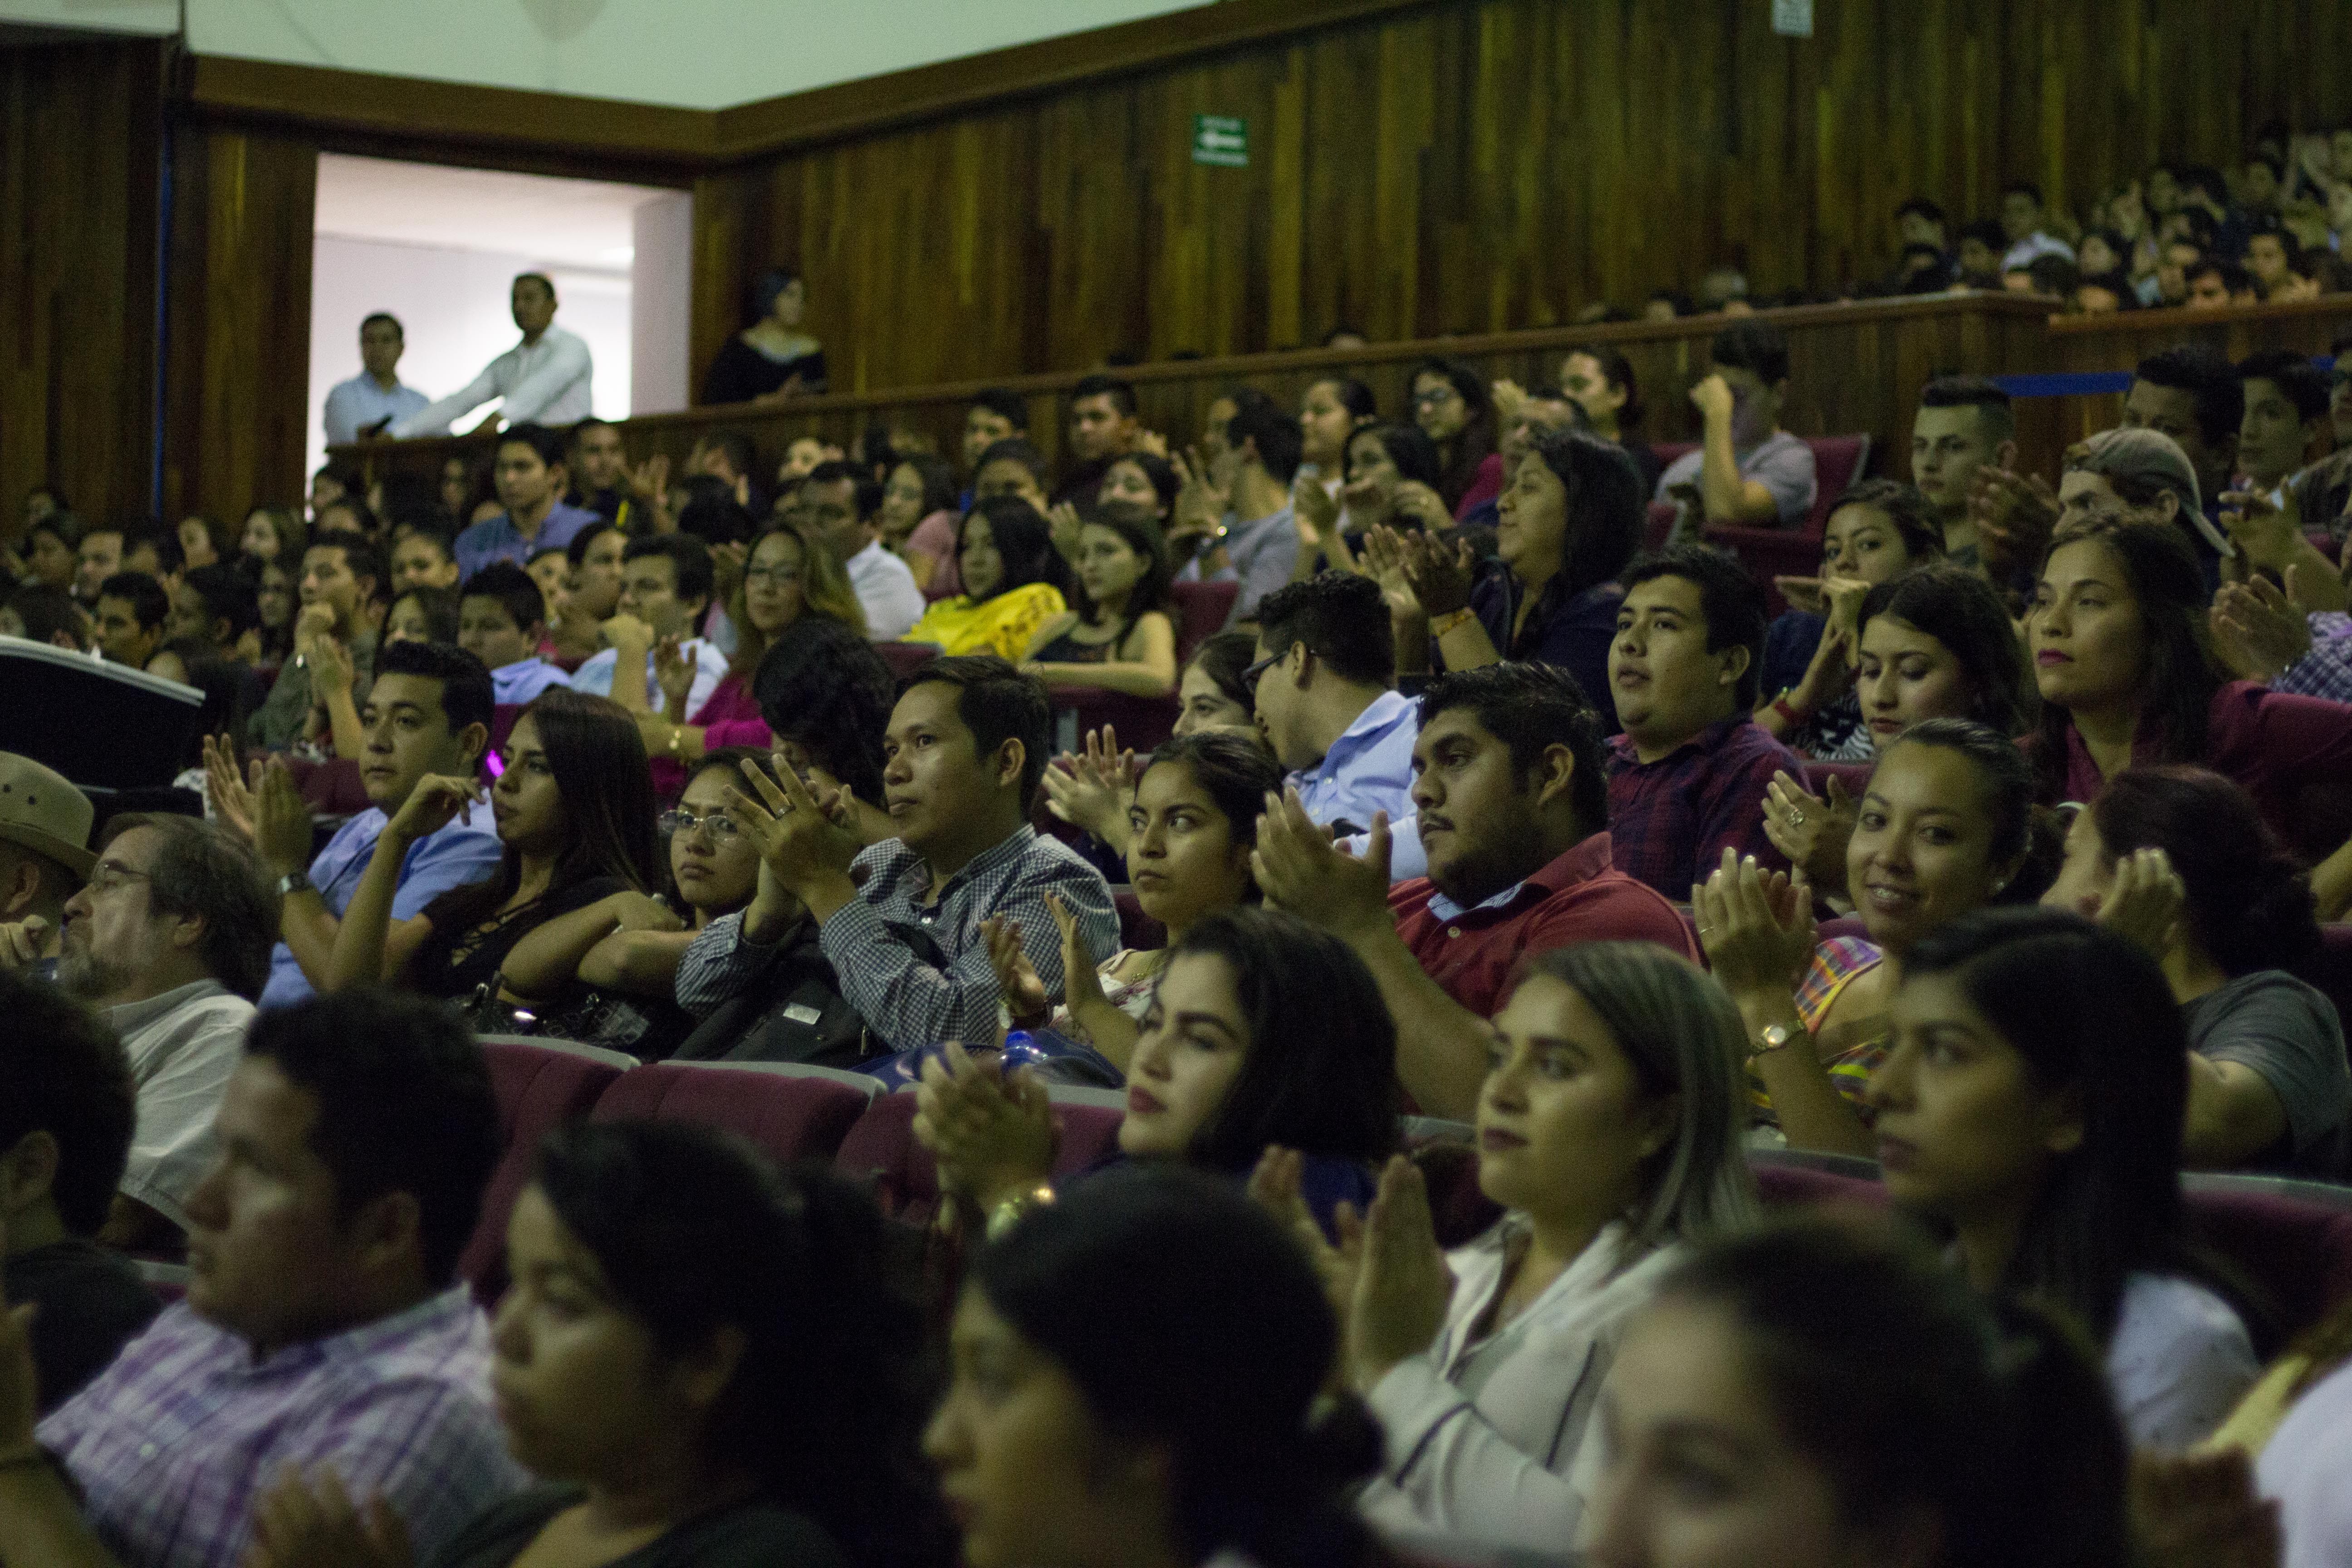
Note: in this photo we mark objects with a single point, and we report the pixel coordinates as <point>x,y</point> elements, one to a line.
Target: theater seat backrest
<point>882,1149</point>
<point>1838,461</point>
<point>1794,1187</point>
<point>906,657</point>
<point>792,1115</point>
<point>1136,929</point>
<point>540,1085</point>
<point>1202,611</point>
<point>2296,1248</point>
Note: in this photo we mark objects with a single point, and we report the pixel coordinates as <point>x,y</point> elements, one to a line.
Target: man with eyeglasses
<point>170,941</point>
<point>428,712</point>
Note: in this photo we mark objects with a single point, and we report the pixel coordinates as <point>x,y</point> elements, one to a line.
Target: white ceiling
<point>581,223</point>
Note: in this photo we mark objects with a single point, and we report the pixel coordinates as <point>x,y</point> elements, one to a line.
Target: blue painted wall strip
<point>2088,383</point>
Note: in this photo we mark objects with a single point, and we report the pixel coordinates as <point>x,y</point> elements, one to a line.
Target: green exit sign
<point>1222,140</point>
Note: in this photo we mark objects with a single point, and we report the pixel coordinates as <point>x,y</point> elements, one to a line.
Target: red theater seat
<point>2293,1238</point>
<point>906,657</point>
<point>793,1112</point>
<point>540,1085</point>
<point>1202,611</point>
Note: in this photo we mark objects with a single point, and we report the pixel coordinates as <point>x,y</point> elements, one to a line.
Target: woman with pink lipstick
<point>698,1359</point>
<point>2031,1101</point>
<point>1936,643</point>
<point>1944,827</point>
<point>2118,633</point>
<point>1263,1031</point>
<point>1609,1130</point>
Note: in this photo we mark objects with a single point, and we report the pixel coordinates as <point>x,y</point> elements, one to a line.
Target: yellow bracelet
<point>1444,623</point>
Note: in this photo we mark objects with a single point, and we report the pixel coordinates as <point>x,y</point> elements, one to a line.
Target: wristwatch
<point>1769,1038</point>
<point>294,882</point>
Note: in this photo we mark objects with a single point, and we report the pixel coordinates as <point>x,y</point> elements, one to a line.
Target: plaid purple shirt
<point>172,1443</point>
<point>2327,669</point>
<point>1669,820</point>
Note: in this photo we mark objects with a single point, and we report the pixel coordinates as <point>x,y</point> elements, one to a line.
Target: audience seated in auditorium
<point>591,593</point>
<point>1144,482</point>
<point>1508,779</point>
<point>45,825</point>
<point>542,380</point>
<point>1262,1032</point>
<point>2033,1100</point>
<point>97,556</point>
<point>1609,1130</point>
<point>342,587</point>
<point>2175,859</point>
<point>2195,396</point>
<point>531,478</point>
<point>1746,472</point>
<point>996,414</point>
<point>1570,519</point>
<point>1323,689</point>
<point>838,508</point>
<point>1013,469</point>
<point>1880,529</point>
<point>218,605</point>
<point>65,1116</point>
<point>369,403</point>
<point>1979,1429</point>
<point>1233,521</point>
<point>170,939</point>
<point>1601,380</point>
<point>700,1361</point>
<point>1152,1329</point>
<point>1688,773</point>
<point>2286,413</point>
<point>424,558</point>
<point>204,541</point>
<point>2126,680</point>
<point>1012,580</point>
<point>1945,827</point>
<point>575,820</point>
<point>127,624</point>
<point>1103,429</point>
<point>1963,424</point>
<point>50,551</point>
<point>1455,409</point>
<point>917,520</point>
<point>773,358</point>
<point>598,465</point>
<point>323,1326</point>
<point>901,920</point>
<point>784,582</point>
<point>1390,475</point>
<point>666,581</point>
<point>1330,411</point>
<point>1190,827</point>
<point>423,614</point>
<point>1118,635</point>
<point>501,620</point>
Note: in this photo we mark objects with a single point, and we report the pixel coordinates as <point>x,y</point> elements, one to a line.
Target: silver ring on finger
<point>1796,819</point>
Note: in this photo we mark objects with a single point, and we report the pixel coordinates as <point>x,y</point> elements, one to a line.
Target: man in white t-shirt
<point>666,585</point>
<point>837,508</point>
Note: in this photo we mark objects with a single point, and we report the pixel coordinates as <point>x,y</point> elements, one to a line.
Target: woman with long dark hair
<point>2118,633</point>
<point>2177,858</point>
<point>773,358</point>
<point>701,1361</point>
<point>1452,405</point>
<point>1600,381</point>
<point>1263,1031</point>
<point>917,522</point>
<point>1014,582</point>
<point>1120,636</point>
<point>1136,1381</point>
<point>2033,1100</point>
<point>1818,1393</point>
<point>1571,520</point>
<point>574,805</point>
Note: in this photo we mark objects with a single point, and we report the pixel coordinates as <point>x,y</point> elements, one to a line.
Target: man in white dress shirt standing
<point>542,380</point>
<point>372,399</point>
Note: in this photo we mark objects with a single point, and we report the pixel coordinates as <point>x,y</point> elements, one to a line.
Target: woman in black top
<point>575,811</point>
<point>700,1360</point>
<point>772,359</point>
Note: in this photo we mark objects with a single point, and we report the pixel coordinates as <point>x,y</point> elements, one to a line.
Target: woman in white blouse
<point>1609,1130</point>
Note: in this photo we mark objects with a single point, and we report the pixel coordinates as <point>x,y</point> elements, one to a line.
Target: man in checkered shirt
<point>323,1325</point>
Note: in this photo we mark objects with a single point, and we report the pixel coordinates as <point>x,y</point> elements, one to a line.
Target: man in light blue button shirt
<point>1325,699</point>
<point>428,712</point>
<point>375,397</point>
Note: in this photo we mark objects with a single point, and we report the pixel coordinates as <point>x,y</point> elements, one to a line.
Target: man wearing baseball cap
<point>43,829</point>
<point>2141,467</point>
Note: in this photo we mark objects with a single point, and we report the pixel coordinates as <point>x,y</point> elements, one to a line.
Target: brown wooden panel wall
<point>1482,165</point>
<point>81,134</point>
<point>236,394</point>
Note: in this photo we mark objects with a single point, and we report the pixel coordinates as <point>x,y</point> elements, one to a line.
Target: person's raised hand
<point>1802,593</point>
<point>437,800</point>
<point>1313,513</point>
<point>1712,397</point>
<point>1829,673</point>
<point>673,671</point>
<point>2257,630</point>
<point>313,1523</point>
<point>312,624</point>
<point>232,797</point>
<point>1299,870</point>
<point>1200,508</point>
<point>2144,902</point>
<point>1404,1284</point>
<point>2201,1509</point>
<point>1813,832</point>
<point>281,821</point>
<point>1757,927</point>
<point>24,943</point>
<point>796,834</point>
<point>1025,998</point>
<point>1440,571</point>
<point>331,672</point>
<point>1416,502</point>
<point>626,635</point>
<point>2014,517</point>
<point>649,481</point>
<point>992,1133</point>
<point>1275,1186</point>
<point>1384,562</point>
<point>1508,397</point>
<point>1063,525</point>
<point>1842,597</point>
<point>1081,980</point>
<point>1153,442</point>
<point>2263,531</point>
<point>726,562</point>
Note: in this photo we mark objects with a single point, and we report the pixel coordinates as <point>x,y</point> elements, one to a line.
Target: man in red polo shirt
<point>1511,783</point>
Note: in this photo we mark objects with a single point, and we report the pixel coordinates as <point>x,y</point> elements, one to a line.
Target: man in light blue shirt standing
<point>428,712</point>
<point>372,399</point>
<point>1324,686</point>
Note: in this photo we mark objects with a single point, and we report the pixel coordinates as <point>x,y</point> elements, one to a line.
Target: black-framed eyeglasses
<point>1254,673</point>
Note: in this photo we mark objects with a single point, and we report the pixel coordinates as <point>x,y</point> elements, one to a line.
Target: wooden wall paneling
<point>81,136</point>
<point>236,403</point>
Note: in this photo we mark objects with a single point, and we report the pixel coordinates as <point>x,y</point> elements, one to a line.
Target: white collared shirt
<point>545,383</point>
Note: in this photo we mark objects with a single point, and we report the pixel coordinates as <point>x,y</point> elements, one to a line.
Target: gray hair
<point>1682,1034</point>
<point>201,873</point>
